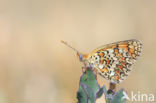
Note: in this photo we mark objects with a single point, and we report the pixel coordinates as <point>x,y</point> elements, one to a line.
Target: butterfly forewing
<point>114,61</point>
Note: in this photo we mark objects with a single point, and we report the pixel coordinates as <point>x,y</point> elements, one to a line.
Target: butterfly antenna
<point>69,46</point>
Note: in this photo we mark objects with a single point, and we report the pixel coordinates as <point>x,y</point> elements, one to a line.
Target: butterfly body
<point>113,61</point>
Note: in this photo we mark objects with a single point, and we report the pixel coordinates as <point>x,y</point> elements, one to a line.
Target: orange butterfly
<point>112,61</point>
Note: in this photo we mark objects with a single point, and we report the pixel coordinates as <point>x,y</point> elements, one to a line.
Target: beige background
<point>36,68</point>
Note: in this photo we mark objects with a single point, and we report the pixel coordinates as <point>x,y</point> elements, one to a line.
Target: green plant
<point>89,90</point>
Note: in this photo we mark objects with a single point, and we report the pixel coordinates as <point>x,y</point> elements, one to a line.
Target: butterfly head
<point>81,57</point>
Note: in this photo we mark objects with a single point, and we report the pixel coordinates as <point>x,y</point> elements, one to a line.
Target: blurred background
<point>36,68</point>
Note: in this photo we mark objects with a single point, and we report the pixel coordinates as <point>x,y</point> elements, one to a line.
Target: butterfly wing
<point>114,61</point>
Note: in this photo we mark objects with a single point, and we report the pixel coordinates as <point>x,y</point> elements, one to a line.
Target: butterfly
<point>112,61</point>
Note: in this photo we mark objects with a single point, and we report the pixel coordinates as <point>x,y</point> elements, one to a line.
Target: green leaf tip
<point>89,89</point>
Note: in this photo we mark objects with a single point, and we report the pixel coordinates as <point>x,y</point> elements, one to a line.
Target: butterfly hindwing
<point>114,61</point>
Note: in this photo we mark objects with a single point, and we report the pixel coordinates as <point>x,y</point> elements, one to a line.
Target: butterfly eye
<point>81,57</point>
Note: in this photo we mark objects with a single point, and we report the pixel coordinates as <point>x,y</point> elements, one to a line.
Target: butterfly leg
<point>86,72</point>
<point>96,72</point>
<point>83,69</point>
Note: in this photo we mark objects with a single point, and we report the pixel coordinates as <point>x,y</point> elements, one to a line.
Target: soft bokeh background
<point>36,68</point>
